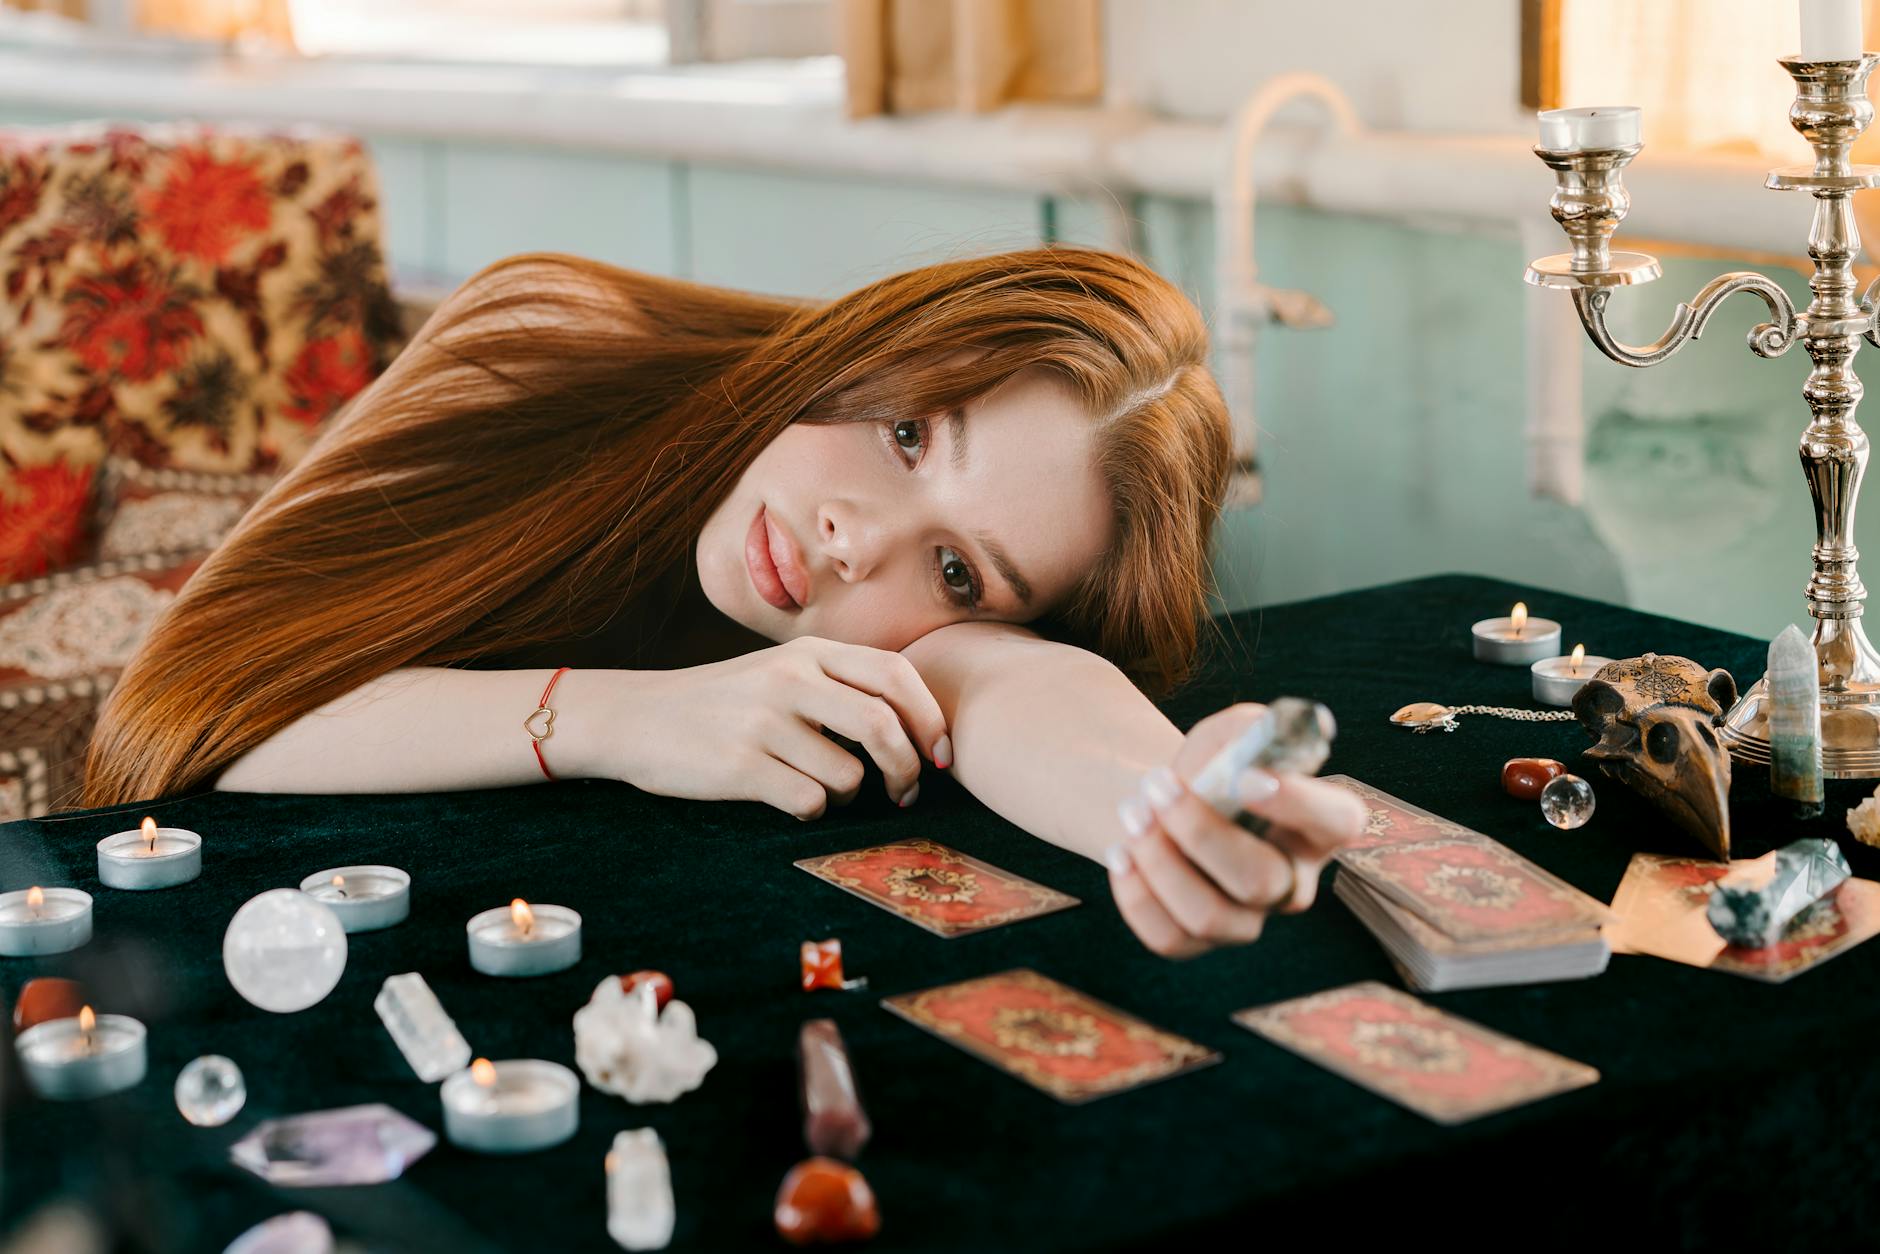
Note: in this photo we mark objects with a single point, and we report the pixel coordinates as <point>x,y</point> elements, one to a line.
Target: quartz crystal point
<point>834,1122</point>
<point>639,1191</point>
<point>1292,735</point>
<point>1795,722</point>
<point>625,1044</point>
<point>351,1145</point>
<point>1754,904</point>
<point>297,1232</point>
<point>424,1034</point>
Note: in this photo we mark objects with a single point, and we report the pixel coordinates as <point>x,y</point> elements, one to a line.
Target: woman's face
<point>876,534</point>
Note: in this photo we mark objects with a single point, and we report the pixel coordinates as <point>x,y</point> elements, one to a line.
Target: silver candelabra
<point>1831,109</point>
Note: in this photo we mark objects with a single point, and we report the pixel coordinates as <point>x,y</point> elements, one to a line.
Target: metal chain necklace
<point>1428,716</point>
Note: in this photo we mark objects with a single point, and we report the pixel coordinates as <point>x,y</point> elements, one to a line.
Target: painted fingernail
<point>1134,814</point>
<point>1161,787</point>
<point>908,797</point>
<point>943,752</point>
<point>1256,785</point>
<point>1118,859</point>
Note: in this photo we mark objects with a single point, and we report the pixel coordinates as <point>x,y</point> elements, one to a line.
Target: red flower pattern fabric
<point>197,299</point>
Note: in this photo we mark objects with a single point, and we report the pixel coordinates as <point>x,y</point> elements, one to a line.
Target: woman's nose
<point>848,539</point>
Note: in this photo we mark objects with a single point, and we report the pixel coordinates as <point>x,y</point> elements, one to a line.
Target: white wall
<point>1420,65</point>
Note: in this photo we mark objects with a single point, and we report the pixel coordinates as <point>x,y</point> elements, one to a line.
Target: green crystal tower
<point>1795,722</point>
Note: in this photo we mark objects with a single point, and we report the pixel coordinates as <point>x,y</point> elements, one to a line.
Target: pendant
<point>1425,716</point>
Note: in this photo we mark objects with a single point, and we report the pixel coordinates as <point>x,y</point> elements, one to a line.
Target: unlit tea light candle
<point>1557,679</point>
<point>1589,130</point>
<point>511,1107</point>
<point>521,939</point>
<point>89,1056</point>
<point>150,857</point>
<point>1516,640</point>
<point>366,898</point>
<point>44,921</point>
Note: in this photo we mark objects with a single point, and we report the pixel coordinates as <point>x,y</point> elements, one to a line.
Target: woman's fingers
<point>1246,868</point>
<point>1310,862</point>
<point>871,723</point>
<point>778,784</point>
<point>891,677</point>
<point>1190,898</point>
<point>1144,914</point>
<point>803,748</point>
<point>1325,816</point>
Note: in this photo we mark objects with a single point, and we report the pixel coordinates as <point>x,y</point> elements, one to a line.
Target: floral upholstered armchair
<point>181,308</point>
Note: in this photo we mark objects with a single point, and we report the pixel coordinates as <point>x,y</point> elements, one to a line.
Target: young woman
<point>946,518</point>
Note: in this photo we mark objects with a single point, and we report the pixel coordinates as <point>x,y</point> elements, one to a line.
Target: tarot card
<point>1660,910</point>
<point>1053,1037</point>
<point>940,889</point>
<point>1472,888</point>
<point>1442,1067</point>
<point>1390,821</point>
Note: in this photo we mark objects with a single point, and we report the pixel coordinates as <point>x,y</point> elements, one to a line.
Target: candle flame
<point>339,885</point>
<point>1579,656</point>
<point>483,1072</point>
<point>86,1020</point>
<point>1518,616</point>
<point>522,916</point>
<point>35,897</point>
<point>149,829</point>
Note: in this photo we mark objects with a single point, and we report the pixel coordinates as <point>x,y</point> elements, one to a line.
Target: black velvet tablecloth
<point>1729,1113</point>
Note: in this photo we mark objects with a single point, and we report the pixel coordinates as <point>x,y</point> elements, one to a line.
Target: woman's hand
<point>751,728</point>
<point>1187,880</point>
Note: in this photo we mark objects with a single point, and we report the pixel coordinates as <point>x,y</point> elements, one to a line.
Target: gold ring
<point>1292,880</point>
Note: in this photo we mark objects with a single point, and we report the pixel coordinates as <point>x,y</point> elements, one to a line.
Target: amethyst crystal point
<point>352,1145</point>
<point>1754,904</point>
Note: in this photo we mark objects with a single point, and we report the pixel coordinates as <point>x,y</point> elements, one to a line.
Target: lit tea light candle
<point>511,1107</point>
<point>150,857</point>
<point>44,921</point>
<point>1556,679</point>
<point>1516,640</point>
<point>89,1056</point>
<point>366,898</point>
<point>524,940</point>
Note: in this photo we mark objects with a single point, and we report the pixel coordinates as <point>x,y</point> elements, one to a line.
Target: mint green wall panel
<point>411,204</point>
<point>504,199</point>
<point>825,235</point>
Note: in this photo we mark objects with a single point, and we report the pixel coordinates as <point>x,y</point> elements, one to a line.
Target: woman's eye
<point>910,436</point>
<point>958,577</point>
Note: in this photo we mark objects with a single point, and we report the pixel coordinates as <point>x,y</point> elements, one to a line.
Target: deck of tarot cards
<point>1455,909</point>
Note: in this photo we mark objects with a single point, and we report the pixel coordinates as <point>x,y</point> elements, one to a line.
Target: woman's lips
<point>775,568</point>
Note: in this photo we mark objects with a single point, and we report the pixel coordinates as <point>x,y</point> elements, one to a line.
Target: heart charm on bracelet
<point>548,725</point>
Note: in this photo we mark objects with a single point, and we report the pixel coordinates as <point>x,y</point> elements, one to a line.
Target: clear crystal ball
<point>284,951</point>
<point>1567,801</point>
<point>209,1091</point>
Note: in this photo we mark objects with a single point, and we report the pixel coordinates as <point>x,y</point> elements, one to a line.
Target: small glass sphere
<point>284,951</point>
<point>209,1091</point>
<point>1567,801</point>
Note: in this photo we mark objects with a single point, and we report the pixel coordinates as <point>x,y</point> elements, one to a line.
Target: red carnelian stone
<point>1525,777</point>
<point>822,964</point>
<point>824,1201</point>
<point>661,982</point>
<point>47,998</point>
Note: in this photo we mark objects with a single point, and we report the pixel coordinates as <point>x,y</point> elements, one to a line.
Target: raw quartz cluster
<point>625,1044</point>
<point>1753,905</point>
<point>1864,820</point>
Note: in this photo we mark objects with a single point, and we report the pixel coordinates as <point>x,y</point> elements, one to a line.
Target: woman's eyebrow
<point>956,430</point>
<point>1003,562</point>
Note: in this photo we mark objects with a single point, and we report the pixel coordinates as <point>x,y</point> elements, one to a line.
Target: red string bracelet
<point>548,724</point>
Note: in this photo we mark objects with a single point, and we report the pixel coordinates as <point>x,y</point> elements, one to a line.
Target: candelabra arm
<point>1766,339</point>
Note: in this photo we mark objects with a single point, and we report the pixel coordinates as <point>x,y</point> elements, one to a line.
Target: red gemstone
<point>822,964</point>
<point>1525,777</point>
<point>47,998</point>
<point>824,1201</point>
<point>661,982</point>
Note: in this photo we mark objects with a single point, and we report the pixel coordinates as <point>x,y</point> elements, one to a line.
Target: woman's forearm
<point>432,729</point>
<point>1050,736</point>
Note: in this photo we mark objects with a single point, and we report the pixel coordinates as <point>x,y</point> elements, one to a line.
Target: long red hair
<point>558,433</point>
